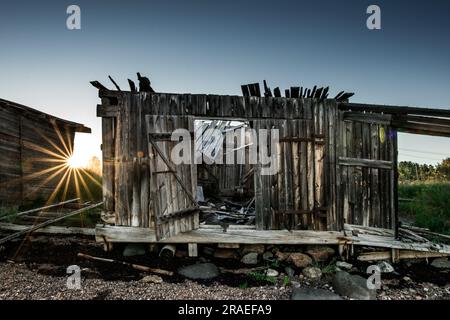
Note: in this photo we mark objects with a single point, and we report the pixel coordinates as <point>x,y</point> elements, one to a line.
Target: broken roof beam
<point>398,110</point>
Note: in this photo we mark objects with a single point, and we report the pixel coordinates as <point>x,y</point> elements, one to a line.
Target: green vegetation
<point>427,205</point>
<point>413,172</point>
<point>331,267</point>
<point>286,280</point>
<point>424,195</point>
<point>10,212</point>
<point>261,276</point>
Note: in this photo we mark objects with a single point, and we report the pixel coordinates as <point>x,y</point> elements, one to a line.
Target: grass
<point>429,206</point>
<point>88,190</point>
<point>261,276</point>
<point>10,212</point>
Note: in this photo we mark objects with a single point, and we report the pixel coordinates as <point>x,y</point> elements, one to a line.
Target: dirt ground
<point>37,269</point>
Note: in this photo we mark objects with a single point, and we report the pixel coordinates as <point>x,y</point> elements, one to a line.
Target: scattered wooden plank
<point>59,204</point>
<point>131,265</point>
<point>403,254</point>
<point>50,229</point>
<point>30,229</point>
<point>114,83</point>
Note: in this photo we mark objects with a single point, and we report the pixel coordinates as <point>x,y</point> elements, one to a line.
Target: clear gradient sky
<point>201,46</point>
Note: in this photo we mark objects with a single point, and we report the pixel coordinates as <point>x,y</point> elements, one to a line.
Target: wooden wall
<point>367,167</point>
<point>29,145</point>
<point>332,170</point>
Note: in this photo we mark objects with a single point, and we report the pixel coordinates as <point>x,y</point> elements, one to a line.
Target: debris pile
<point>223,211</point>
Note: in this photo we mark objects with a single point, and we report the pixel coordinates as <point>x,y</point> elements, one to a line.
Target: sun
<point>76,161</point>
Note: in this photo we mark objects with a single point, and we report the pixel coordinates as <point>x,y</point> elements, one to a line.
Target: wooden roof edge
<point>395,110</point>
<point>25,109</point>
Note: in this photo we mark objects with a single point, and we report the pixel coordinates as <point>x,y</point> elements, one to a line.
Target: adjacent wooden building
<point>32,143</point>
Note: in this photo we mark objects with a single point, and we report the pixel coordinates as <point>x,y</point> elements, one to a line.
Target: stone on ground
<point>320,253</point>
<point>344,265</point>
<point>289,271</point>
<point>272,273</point>
<point>267,256</point>
<point>250,258</point>
<point>199,271</point>
<point>258,248</point>
<point>152,279</point>
<point>352,286</point>
<point>441,263</point>
<point>134,250</point>
<point>385,267</point>
<point>312,273</point>
<point>300,260</point>
<point>313,294</point>
<point>223,253</point>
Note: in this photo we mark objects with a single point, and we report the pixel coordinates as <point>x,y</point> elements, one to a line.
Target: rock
<point>267,256</point>
<point>250,258</point>
<point>134,250</point>
<point>223,253</point>
<point>441,263</point>
<point>312,273</point>
<point>313,294</point>
<point>181,254</point>
<point>272,273</point>
<point>258,248</point>
<point>208,251</point>
<point>407,279</point>
<point>352,286</point>
<point>385,267</point>
<point>282,256</point>
<point>152,279</point>
<point>289,271</point>
<point>320,253</point>
<point>300,260</point>
<point>342,265</point>
<point>199,271</point>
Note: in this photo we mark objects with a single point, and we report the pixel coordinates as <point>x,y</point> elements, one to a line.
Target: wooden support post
<point>395,255</point>
<point>192,249</point>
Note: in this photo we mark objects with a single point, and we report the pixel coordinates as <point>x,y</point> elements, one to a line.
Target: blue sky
<point>213,47</point>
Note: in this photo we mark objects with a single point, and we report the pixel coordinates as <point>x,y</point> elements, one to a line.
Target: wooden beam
<point>425,120</point>
<point>59,204</point>
<point>402,254</point>
<point>47,223</point>
<point>395,109</point>
<point>251,236</point>
<point>366,117</point>
<point>422,128</point>
<point>114,83</point>
<point>368,163</point>
<point>50,229</point>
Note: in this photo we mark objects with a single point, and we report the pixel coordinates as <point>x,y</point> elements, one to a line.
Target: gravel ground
<point>39,272</point>
<point>18,282</point>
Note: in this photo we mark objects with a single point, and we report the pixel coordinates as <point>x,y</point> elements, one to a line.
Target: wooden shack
<point>338,166</point>
<point>31,145</point>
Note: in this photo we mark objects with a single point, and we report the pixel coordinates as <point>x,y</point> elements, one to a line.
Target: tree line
<point>411,171</point>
